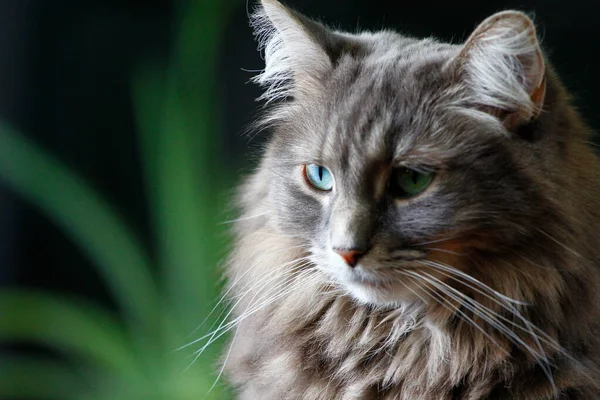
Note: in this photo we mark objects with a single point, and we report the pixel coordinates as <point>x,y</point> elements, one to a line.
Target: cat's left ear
<point>504,68</point>
<point>296,50</point>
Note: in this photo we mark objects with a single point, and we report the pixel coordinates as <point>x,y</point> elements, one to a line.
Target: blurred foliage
<point>132,356</point>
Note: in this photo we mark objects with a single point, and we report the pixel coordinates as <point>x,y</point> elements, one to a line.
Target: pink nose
<point>351,256</point>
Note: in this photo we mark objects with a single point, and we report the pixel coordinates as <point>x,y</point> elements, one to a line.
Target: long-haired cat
<point>423,223</point>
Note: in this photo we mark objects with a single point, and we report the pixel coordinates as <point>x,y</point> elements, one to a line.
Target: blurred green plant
<point>132,356</point>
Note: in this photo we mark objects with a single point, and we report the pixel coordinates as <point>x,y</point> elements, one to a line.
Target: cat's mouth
<point>377,278</point>
<point>382,283</point>
<point>373,290</point>
<point>369,281</point>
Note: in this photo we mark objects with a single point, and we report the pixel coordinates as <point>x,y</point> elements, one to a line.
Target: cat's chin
<point>380,294</point>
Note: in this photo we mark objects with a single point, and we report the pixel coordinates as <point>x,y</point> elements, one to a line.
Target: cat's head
<point>393,156</point>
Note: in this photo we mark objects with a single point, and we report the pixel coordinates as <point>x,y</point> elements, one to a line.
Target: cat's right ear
<point>295,51</point>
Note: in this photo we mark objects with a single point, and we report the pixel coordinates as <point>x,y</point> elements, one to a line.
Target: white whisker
<point>251,308</point>
<point>232,221</point>
<point>231,287</point>
<point>445,251</point>
<point>262,284</point>
<point>487,315</point>
<point>472,280</point>
<point>510,308</point>
<point>445,239</point>
<point>452,308</point>
<point>558,242</point>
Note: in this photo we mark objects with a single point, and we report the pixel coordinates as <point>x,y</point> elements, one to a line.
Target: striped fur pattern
<point>486,286</point>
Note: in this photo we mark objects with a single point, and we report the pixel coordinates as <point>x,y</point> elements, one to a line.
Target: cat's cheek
<point>297,212</point>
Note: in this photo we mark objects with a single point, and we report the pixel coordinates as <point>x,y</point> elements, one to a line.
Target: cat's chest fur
<point>331,348</point>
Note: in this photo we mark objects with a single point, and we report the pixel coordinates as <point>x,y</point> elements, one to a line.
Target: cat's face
<point>382,166</point>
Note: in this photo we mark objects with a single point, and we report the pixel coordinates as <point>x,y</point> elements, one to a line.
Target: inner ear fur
<point>504,68</point>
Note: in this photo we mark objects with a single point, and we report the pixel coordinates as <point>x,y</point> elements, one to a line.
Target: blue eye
<point>319,177</point>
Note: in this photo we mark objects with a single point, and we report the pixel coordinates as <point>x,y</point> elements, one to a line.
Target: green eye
<point>408,182</point>
<point>318,177</point>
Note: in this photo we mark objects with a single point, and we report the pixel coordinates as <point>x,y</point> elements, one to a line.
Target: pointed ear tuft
<point>504,68</point>
<point>295,58</point>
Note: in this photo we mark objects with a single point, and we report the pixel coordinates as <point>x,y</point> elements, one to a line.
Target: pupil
<point>321,173</point>
<point>415,177</point>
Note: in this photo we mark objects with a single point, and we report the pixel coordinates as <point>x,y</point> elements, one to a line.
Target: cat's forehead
<point>379,100</point>
<point>388,48</point>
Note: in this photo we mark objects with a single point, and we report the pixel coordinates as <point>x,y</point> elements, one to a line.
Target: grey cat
<point>422,225</point>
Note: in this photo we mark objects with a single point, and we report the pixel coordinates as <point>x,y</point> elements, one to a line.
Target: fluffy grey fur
<point>484,286</point>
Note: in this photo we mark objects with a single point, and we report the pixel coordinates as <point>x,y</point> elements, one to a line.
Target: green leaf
<point>26,378</point>
<point>83,332</point>
<point>177,112</point>
<point>86,218</point>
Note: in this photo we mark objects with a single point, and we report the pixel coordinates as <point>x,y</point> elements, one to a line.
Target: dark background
<point>65,70</point>
<point>64,81</point>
